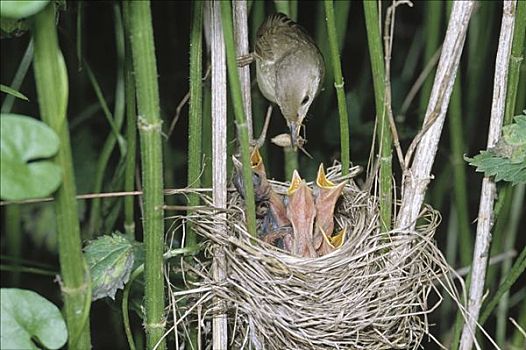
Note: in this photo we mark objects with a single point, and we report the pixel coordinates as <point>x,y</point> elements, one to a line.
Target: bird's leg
<point>245,60</point>
<point>261,139</point>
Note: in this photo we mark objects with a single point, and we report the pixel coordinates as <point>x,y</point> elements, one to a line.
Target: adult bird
<point>289,68</point>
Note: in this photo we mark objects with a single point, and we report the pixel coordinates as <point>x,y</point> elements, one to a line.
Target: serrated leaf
<point>110,260</point>
<point>515,133</point>
<point>507,160</point>
<point>26,315</point>
<point>502,168</point>
<point>21,8</point>
<point>24,170</point>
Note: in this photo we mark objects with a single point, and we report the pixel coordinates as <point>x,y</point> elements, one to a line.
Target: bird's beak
<point>294,134</point>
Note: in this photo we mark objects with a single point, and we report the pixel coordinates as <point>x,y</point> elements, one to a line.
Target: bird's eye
<point>305,100</point>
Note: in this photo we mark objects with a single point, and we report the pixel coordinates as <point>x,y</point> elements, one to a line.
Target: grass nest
<point>371,293</point>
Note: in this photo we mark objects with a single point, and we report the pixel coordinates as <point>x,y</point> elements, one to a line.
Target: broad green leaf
<point>110,260</point>
<point>21,8</point>
<point>13,92</point>
<point>26,315</point>
<point>24,170</point>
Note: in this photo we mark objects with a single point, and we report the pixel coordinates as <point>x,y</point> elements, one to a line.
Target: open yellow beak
<point>294,183</point>
<point>337,240</point>
<point>321,179</point>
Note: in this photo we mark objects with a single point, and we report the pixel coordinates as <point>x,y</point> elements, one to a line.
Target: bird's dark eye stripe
<point>305,100</point>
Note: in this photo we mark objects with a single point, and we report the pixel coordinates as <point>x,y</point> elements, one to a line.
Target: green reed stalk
<point>131,130</point>
<point>374,40</point>
<point>196,110</point>
<point>149,125</point>
<point>338,85</point>
<point>341,19</point>
<point>52,88</point>
<point>241,122</point>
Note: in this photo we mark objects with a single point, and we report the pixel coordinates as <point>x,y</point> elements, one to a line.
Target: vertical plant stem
<point>374,40</point>
<point>488,191</point>
<point>207,138</point>
<point>149,125</point>
<point>341,19</point>
<point>517,56</point>
<point>196,110</point>
<point>194,129</point>
<point>338,85</point>
<point>219,153</point>
<point>131,130</point>
<point>291,161</point>
<point>241,41</point>
<point>50,71</point>
<point>241,120</point>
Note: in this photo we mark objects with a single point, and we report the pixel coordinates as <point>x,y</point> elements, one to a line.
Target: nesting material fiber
<point>371,293</point>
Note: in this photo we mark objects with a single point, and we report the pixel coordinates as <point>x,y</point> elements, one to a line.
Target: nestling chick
<point>290,69</point>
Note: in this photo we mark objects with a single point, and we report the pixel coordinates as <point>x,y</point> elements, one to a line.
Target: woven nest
<point>371,293</point>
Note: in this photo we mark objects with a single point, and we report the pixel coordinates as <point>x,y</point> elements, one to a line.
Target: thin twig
<point>388,43</point>
<point>488,191</point>
<point>420,80</point>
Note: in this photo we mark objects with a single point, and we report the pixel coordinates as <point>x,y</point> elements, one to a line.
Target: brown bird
<point>289,67</point>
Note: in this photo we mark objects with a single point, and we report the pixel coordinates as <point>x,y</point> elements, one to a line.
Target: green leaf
<point>12,28</point>
<point>24,171</point>
<point>507,160</point>
<point>25,316</point>
<point>13,92</point>
<point>21,8</point>
<point>515,133</point>
<point>110,260</point>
